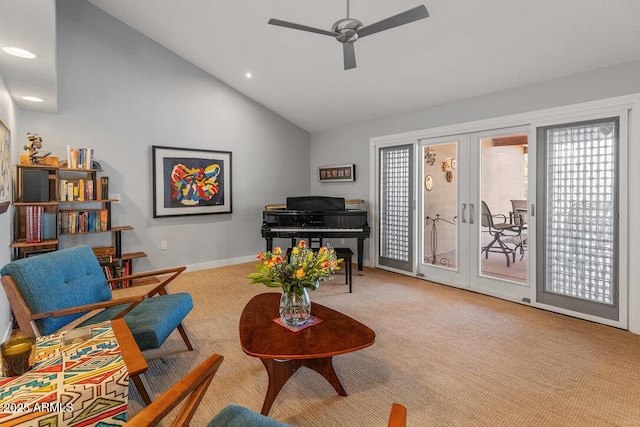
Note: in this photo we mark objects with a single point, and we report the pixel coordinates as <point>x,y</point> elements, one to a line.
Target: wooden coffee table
<point>282,351</point>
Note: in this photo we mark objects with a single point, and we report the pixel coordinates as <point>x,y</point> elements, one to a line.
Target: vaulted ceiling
<point>466,48</point>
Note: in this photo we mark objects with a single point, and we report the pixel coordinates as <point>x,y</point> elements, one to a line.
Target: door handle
<point>470,213</point>
<point>464,210</point>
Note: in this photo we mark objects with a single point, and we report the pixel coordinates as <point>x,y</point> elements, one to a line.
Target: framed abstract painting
<point>190,181</point>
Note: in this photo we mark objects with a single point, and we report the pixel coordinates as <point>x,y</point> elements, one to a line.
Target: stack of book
<point>115,271</point>
<point>83,190</point>
<point>78,190</point>
<point>79,158</point>
<point>33,224</point>
<point>84,221</point>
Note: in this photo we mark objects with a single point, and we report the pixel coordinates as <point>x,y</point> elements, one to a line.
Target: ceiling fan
<point>348,30</point>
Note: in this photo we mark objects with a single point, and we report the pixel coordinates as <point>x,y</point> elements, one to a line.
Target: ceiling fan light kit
<point>348,30</point>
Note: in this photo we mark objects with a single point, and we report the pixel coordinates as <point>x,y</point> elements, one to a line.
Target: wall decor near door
<point>337,173</point>
<point>190,181</point>
<point>5,166</point>
<point>428,183</point>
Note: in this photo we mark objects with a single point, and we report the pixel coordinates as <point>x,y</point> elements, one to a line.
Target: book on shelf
<point>70,186</point>
<point>104,258</point>
<point>125,270</point>
<point>33,226</point>
<point>63,190</point>
<point>112,271</point>
<point>88,221</point>
<point>104,187</point>
<point>49,226</point>
<point>104,254</point>
<point>88,190</point>
<point>104,220</point>
<point>81,190</point>
<point>79,158</point>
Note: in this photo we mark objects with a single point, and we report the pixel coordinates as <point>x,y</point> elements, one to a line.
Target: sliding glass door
<point>501,234</point>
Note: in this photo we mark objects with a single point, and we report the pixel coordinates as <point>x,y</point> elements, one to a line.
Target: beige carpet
<point>452,357</point>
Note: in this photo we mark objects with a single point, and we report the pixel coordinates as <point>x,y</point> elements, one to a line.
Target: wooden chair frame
<point>26,318</point>
<point>192,388</point>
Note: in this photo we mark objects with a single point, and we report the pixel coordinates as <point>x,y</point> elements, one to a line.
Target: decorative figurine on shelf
<point>35,143</point>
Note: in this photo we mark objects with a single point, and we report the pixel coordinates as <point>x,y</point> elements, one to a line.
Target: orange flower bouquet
<point>303,270</point>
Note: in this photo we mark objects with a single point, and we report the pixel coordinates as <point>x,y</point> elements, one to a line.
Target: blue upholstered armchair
<point>49,291</point>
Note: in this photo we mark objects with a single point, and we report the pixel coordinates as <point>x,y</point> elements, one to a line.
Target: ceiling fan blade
<point>349,56</point>
<point>301,27</point>
<point>411,15</point>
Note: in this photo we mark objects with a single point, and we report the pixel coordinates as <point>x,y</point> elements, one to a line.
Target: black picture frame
<point>190,181</point>
<point>339,173</point>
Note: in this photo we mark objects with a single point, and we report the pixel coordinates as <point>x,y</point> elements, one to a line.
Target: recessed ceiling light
<point>22,53</point>
<point>248,75</point>
<point>32,99</point>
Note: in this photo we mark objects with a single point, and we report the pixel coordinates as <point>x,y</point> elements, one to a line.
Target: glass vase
<point>295,307</point>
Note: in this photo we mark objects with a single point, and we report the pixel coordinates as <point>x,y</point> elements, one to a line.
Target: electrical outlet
<point>163,245</point>
<point>115,197</point>
<point>342,241</point>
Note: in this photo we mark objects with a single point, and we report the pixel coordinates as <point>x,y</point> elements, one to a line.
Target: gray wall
<point>120,93</point>
<point>8,112</point>
<point>352,142</point>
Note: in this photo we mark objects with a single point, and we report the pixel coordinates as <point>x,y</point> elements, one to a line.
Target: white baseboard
<point>220,263</point>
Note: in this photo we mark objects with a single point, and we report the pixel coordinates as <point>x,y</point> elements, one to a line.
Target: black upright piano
<point>315,218</point>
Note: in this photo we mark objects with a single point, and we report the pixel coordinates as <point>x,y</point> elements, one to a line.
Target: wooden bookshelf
<point>85,194</point>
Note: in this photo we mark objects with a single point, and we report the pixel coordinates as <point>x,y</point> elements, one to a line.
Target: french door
<point>556,185</point>
<point>460,173</point>
<point>445,212</point>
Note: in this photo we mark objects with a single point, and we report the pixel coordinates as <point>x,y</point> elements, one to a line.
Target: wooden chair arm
<point>173,272</point>
<point>398,416</point>
<point>133,301</point>
<point>18,306</point>
<point>192,386</point>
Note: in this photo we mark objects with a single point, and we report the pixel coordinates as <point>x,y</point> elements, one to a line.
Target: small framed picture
<point>337,173</point>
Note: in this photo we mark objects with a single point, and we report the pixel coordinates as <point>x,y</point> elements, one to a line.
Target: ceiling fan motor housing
<point>347,30</point>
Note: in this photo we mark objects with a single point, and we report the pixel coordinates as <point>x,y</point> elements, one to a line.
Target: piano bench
<point>346,254</point>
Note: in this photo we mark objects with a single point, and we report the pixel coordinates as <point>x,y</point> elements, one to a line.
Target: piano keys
<point>315,218</point>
